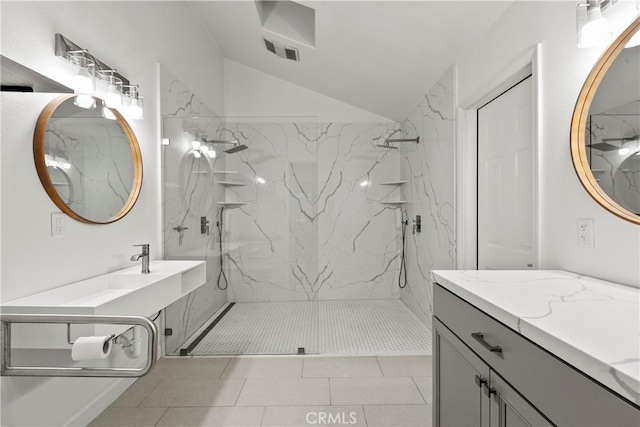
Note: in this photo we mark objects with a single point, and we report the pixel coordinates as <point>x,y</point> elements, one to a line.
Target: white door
<point>506,181</point>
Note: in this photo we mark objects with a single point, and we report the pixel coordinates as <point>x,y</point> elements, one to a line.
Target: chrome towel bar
<point>6,369</point>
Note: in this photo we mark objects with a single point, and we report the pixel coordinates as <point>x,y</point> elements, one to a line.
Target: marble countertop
<point>592,324</point>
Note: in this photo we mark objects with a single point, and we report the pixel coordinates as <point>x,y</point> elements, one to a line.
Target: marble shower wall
<point>89,162</point>
<point>429,168</point>
<point>617,174</point>
<point>189,193</point>
<point>305,219</point>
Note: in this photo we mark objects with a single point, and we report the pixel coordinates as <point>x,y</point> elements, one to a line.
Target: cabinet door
<point>509,409</point>
<point>459,378</point>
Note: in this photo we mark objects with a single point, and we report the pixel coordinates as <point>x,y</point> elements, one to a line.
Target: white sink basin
<point>124,292</point>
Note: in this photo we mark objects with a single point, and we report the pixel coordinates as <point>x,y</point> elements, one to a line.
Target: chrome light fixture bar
<point>115,89</point>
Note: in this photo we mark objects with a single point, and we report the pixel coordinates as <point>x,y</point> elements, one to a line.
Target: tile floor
<point>333,327</point>
<point>278,391</point>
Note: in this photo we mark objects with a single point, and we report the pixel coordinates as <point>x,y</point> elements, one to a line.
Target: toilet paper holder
<point>130,347</point>
<point>113,336</point>
<point>7,369</point>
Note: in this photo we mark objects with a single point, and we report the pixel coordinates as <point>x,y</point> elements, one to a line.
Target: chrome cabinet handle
<point>479,336</point>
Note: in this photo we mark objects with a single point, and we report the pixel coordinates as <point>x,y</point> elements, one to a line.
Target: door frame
<point>467,149</point>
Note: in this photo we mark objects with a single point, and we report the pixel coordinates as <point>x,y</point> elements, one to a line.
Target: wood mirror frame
<point>579,124</point>
<point>39,151</point>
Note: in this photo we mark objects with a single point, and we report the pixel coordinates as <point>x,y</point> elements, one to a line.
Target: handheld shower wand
<point>221,274</point>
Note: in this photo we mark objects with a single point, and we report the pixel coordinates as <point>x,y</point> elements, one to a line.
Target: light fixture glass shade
<point>107,113</point>
<point>136,108</point>
<point>133,103</point>
<point>83,82</point>
<point>212,153</point>
<point>83,79</point>
<point>195,144</point>
<point>196,154</point>
<point>112,91</point>
<point>596,30</point>
<point>84,101</point>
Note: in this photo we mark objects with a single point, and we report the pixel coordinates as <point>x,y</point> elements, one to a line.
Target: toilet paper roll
<point>90,348</point>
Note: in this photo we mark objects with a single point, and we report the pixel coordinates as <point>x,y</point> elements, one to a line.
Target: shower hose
<point>221,275</point>
<point>403,260</point>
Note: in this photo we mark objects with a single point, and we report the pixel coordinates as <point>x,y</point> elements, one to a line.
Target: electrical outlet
<point>585,232</point>
<point>58,225</point>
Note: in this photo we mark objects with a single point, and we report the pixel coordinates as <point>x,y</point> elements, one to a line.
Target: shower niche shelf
<point>395,202</point>
<point>225,172</point>
<point>393,183</point>
<point>231,204</point>
<point>232,183</point>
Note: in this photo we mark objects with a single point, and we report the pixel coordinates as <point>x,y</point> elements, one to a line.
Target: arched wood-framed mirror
<point>605,129</point>
<point>88,160</point>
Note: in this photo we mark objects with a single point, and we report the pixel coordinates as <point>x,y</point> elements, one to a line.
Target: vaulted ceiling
<point>381,56</point>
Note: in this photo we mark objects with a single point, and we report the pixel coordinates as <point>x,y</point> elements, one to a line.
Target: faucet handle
<point>145,247</point>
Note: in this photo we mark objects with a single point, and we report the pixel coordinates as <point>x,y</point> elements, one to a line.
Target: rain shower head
<point>236,149</point>
<point>387,142</point>
<point>236,144</point>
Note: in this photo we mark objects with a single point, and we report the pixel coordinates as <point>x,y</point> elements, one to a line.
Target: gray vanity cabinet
<point>469,393</point>
<point>459,377</point>
<point>486,374</point>
<point>509,409</point>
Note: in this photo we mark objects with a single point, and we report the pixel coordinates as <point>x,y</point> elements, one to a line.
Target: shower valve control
<point>204,225</point>
<point>417,224</point>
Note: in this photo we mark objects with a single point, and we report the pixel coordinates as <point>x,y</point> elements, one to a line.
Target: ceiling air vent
<point>270,46</point>
<point>291,53</point>
<point>282,51</point>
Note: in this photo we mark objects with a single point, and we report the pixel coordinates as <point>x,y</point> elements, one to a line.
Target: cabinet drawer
<point>563,394</point>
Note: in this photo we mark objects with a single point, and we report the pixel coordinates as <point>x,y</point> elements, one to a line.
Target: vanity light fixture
<point>113,88</point>
<point>110,88</point>
<point>133,103</point>
<point>593,28</point>
<point>83,79</point>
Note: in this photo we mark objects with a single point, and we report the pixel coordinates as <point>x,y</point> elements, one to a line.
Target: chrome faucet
<point>145,258</point>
